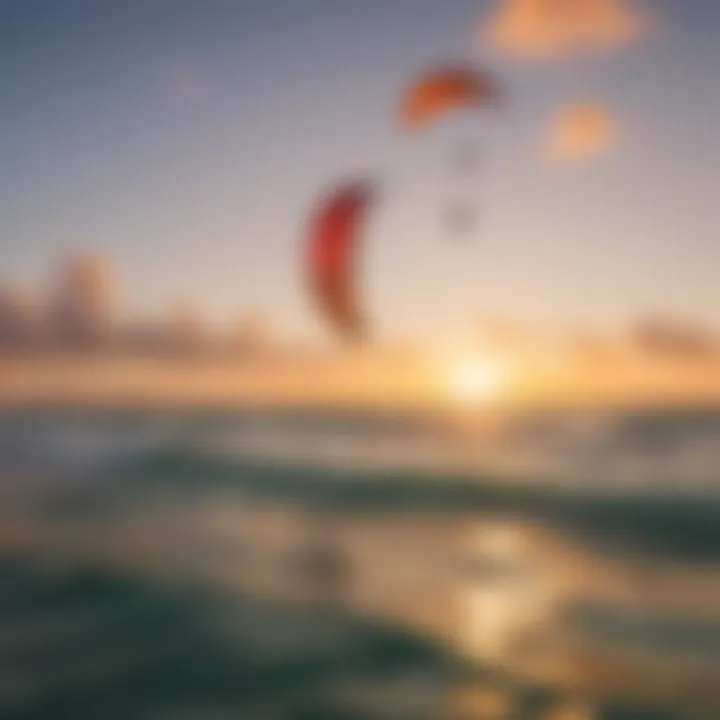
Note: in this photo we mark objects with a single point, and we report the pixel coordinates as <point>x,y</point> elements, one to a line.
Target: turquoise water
<point>298,565</point>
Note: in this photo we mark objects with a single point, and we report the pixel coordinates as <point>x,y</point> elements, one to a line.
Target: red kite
<point>443,90</point>
<point>334,236</point>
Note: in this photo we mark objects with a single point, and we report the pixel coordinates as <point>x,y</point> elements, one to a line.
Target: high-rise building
<point>187,330</point>
<point>82,306</point>
<point>19,319</point>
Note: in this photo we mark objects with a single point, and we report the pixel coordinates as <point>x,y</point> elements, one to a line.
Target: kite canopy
<point>442,91</point>
<point>334,236</point>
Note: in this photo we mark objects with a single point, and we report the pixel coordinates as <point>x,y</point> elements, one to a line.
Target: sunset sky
<point>188,140</point>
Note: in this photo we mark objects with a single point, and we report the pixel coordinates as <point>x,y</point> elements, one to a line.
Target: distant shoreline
<point>294,381</point>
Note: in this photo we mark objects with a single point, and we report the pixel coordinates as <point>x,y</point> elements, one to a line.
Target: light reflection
<point>552,593</point>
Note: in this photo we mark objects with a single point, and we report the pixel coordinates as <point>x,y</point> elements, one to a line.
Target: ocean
<point>338,564</point>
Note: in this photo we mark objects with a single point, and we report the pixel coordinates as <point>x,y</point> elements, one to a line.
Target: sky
<point>189,140</point>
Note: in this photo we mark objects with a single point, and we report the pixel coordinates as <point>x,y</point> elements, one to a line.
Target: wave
<point>669,453</point>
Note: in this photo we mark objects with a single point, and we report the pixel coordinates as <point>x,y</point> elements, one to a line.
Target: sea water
<point>327,564</point>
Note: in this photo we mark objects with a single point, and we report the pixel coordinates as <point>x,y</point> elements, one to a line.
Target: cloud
<point>580,133</point>
<point>675,340</point>
<point>547,29</point>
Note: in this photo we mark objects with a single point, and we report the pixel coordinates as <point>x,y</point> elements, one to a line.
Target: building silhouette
<point>20,319</point>
<point>82,304</point>
<point>186,332</point>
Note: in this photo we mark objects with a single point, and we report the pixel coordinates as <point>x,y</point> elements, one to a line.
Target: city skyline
<point>82,300</point>
<point>80,306</point>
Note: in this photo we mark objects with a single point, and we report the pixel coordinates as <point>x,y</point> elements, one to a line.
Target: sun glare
<point>476,381</point>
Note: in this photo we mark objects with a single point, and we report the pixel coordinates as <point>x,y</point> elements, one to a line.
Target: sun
<point>476,381</point>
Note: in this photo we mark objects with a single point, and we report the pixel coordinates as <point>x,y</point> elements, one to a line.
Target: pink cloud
<point>542,29</point>
<point>580,133</point>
